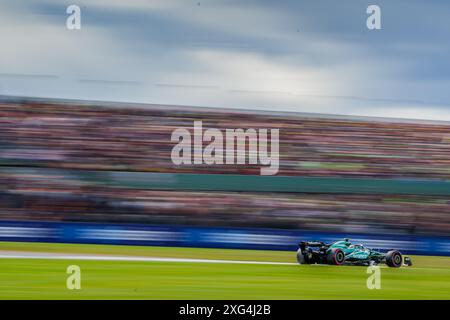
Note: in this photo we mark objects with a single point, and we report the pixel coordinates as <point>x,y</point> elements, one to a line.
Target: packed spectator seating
<point>68,137</point>
<point>137,138</point>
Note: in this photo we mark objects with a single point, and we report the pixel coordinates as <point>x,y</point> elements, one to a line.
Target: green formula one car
<point>344,252</point>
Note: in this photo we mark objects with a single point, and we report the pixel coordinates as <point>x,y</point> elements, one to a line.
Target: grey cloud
<point>300,55</point>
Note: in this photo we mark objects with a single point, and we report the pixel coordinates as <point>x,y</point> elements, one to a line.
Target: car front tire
<point>394,259</point>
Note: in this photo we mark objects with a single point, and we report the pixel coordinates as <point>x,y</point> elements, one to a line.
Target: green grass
<point>429,278</point>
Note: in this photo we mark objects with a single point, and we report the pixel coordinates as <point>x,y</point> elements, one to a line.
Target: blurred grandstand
<point>110,162</point>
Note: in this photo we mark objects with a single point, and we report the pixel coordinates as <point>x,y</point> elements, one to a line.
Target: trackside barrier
<point>187,236</point>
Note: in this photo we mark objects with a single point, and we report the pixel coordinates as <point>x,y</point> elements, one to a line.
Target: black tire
<point>394,259</point>
<point>300,257</point>
<point>336,257</point>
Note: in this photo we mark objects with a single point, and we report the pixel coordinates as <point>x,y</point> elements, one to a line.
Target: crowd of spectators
<point>139,139</point>
<point>36,138</point>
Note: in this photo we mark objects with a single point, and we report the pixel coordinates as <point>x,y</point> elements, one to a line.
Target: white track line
<point>61,256</point>
<point>95,257</point>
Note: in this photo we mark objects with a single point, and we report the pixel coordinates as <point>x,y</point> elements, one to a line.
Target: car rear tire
<point>336,256</point>
<point>394,259</point>
<point>300,257</point>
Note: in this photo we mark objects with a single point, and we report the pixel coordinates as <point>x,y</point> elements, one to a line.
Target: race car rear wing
<point>304,244</point>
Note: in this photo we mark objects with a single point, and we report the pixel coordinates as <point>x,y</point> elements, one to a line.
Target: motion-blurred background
<point>76,171</point>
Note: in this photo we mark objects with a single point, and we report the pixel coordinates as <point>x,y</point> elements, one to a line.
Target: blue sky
<point>305,56</point>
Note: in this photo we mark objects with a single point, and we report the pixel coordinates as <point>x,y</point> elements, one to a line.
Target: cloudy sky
<point>305,56</point>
